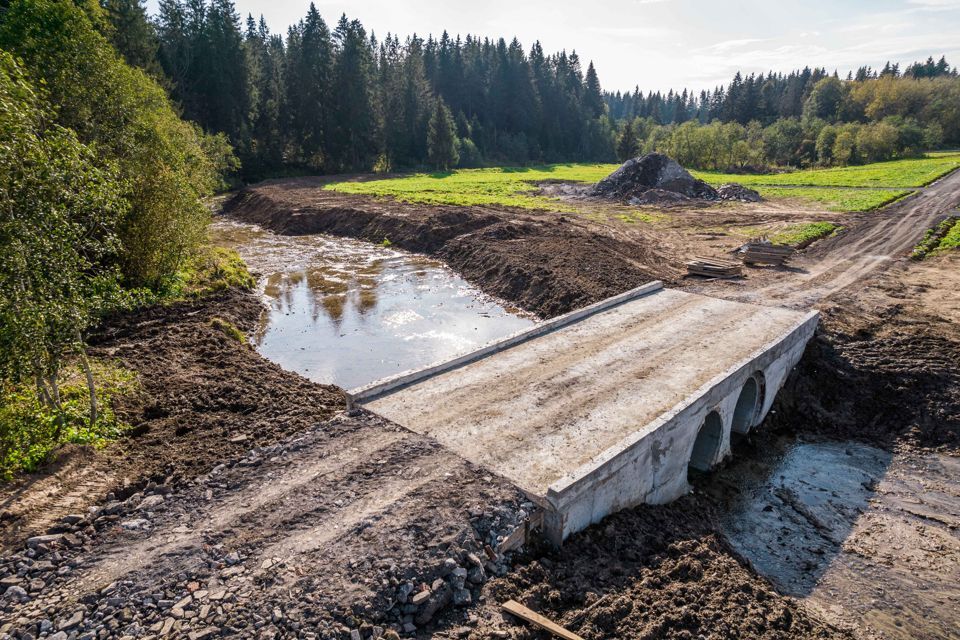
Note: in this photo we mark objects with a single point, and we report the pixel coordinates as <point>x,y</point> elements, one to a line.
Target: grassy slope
<point>842,189</point>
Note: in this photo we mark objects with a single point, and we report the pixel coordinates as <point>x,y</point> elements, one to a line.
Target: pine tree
<point>442,138</point>
<point>627,143</point>
<point>593,97</point>
<point>132,34</point>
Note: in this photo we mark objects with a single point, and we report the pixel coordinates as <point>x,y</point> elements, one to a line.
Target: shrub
<point>29,430</point>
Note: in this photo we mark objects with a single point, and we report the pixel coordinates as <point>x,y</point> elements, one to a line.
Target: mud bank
<point>545,263</point>
<point>205,397</point>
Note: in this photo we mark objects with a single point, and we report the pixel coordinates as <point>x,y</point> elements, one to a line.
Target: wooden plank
<point>515,608</point>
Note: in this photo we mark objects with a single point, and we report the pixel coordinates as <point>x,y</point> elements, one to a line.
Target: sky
<point>664,44</point>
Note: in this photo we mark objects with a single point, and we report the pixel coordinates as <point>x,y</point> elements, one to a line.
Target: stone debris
<point>737,192</point>
<point>228,592</point>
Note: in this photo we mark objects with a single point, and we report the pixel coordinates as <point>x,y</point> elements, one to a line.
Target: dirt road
<point>872,241</point>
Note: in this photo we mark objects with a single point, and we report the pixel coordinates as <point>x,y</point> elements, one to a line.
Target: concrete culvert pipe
<point>707,444</point>
<point>748,405</point>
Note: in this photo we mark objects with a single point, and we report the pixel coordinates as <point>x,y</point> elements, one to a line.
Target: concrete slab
<point>603,412</point>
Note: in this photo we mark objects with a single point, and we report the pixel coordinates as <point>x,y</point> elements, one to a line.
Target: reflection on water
<point>347,312</point>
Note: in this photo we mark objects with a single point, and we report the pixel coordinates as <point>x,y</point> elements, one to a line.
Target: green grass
<point>913,172</point>
<point>213,269</point>
<point>944,237</point>
<point>802,235</point>
<point>29,431</point>
<point>952,239</point>
<point>228,329</point>
<point>836,199</point>
<point>841,189</point>
<point>513,187</point>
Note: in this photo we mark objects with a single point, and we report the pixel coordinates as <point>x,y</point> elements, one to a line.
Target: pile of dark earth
<point>658,179</point>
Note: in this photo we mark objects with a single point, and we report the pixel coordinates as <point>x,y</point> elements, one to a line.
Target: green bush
<point>165,165</point>
<point>29,430</point>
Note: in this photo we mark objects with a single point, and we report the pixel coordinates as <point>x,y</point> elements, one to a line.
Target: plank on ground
<point>515,608</point>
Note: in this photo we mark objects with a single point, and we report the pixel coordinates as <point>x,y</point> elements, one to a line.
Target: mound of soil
<point>637,176</point>
<point>659,197</point>
<point>650,572</point>
<point>738,192</point>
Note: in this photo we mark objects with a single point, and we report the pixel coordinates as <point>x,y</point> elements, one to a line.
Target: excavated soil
<point>649,573</point>
<point>205,397</point>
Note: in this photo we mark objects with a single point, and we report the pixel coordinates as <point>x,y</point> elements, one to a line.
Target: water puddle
<point>866,537</point>
<point>347,312</point>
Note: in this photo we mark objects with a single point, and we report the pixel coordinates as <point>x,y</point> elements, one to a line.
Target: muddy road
<point>247,503</point>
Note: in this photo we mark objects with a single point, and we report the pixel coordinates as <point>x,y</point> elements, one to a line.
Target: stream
<point>346,312</point>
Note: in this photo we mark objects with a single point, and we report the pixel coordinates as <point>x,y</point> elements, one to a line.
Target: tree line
<point>803,118</point>
<point>336,98</point>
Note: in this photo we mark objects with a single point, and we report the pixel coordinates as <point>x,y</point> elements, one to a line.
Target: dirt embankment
<point>884,368</point>
<point>546,263</point>
<point>205,397</point>
<point>648,573</point>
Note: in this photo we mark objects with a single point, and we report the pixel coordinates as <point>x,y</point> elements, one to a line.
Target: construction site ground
<point>246,502</point>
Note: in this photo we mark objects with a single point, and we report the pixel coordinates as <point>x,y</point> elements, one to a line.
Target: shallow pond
<point>347,312</point>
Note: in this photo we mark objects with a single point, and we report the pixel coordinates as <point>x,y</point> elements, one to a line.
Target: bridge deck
<point>539,411</point>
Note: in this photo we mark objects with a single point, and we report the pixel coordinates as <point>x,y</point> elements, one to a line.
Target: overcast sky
<point>662,44</point>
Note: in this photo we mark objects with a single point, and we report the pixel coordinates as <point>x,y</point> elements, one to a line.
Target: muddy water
<point>346,312</point>
<point>867,537</point>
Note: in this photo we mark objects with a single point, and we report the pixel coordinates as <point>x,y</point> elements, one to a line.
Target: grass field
<point>835,198</point>
<point>915,172</point>
<point>469,187</point>
<point>842,189</point>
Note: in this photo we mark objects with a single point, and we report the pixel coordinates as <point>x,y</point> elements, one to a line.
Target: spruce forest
<point>337,98</point>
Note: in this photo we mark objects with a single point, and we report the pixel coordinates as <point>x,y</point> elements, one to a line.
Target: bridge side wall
<point>651,466</point>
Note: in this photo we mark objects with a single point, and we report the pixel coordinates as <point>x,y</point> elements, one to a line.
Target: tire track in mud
<point>878,239</point>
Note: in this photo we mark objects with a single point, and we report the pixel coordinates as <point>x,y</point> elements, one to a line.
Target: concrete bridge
<point>609,406</point>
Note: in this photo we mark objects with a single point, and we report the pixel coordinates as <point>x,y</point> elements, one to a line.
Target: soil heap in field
<point>734,191</point>
<point>651,178</point>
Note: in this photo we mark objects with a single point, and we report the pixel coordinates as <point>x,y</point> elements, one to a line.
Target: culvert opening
<point>707,444</point>
<point>748,405</point>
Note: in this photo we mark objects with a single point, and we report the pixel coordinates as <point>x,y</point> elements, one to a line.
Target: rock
<point>439,599</point>
<point>16,593</point>
<point>72,518</point>
<point>477,575</point>
<point>462,597</point>
<point>652,171</point>
<point>404,591</point>
<point>136,524</point>
<point>355,634</point>
<point>420,598</point>
<point>150,502</point>
<point>409,627</point>
<point>206,632</point>
<point>232,558</point>
<point>59,635</point>
<point>36,541</point>
<point>72,621</point>
<point>734,191</point>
